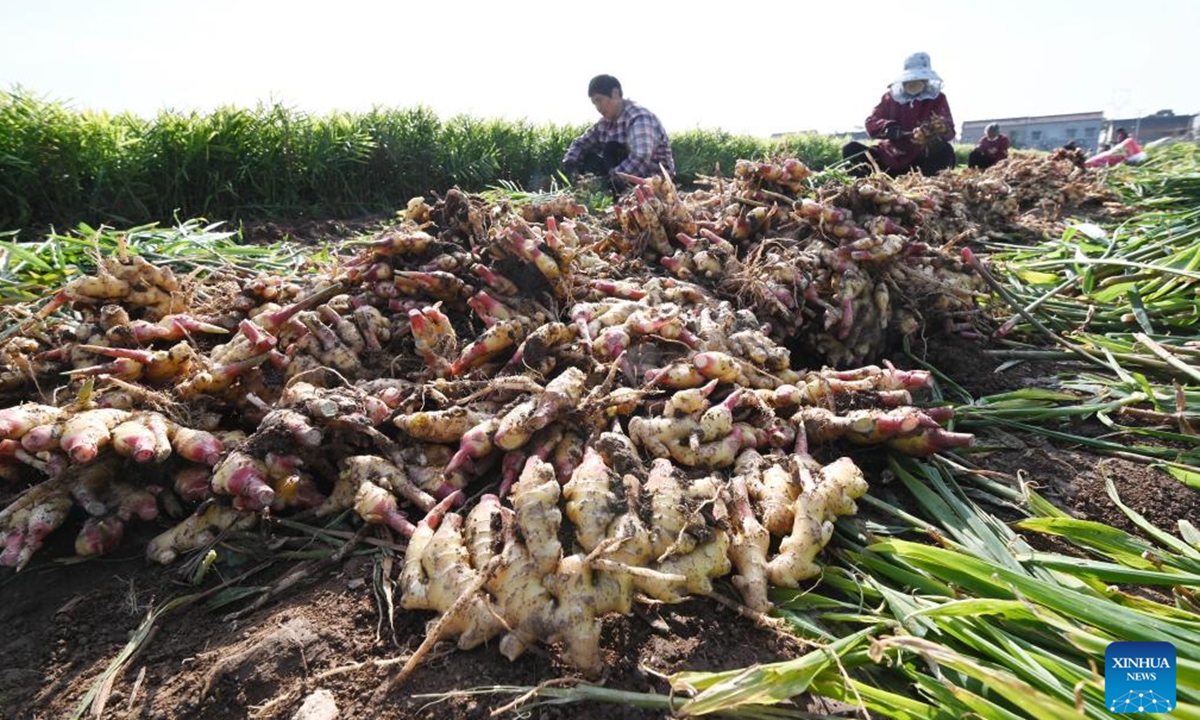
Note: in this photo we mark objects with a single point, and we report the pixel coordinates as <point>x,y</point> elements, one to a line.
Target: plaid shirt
<point>639,130</point>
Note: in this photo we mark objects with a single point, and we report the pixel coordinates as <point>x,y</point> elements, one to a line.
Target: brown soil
<point>1073,478</point>
<point>61,625</point>
<point>312,232</point>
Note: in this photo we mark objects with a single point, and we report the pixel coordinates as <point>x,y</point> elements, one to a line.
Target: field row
<point>62,166</point>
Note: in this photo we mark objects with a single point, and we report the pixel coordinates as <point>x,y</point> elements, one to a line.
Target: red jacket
<point>899,154</point>
<point>994,149</point>
<point>1117,155</point>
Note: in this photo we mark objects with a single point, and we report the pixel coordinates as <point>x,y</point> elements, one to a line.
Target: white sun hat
<point>916,67</point>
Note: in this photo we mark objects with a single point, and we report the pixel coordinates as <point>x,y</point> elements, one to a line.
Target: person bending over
<point>992,148</point>
<point>628,139</point>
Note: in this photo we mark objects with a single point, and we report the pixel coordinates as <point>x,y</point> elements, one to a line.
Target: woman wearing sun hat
<point>904,122</point>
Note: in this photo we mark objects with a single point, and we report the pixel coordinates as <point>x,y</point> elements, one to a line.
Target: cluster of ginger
<point>504,569</point>
<point>620,387</point>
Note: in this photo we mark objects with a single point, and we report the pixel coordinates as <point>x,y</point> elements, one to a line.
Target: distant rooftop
<point>1068,117</point>
<point>778,135</point>
<point>1160,119</point>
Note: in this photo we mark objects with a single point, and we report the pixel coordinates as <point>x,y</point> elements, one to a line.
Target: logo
<point>1139,677</point>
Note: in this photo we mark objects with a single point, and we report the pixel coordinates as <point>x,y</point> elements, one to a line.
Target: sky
<point>746,67</point>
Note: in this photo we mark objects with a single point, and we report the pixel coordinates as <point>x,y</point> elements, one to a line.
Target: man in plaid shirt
<point>628,138</point>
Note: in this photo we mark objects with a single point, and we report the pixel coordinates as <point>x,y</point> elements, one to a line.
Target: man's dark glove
<point>571,170</point>
<point>892,132</point>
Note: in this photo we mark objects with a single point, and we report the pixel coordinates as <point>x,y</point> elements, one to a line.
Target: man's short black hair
<point>603,85</point>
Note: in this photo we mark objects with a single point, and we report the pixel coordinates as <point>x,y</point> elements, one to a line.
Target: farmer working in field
<point>992,148</point>
<point>1124,150</point>
<point>628,138</point>
<point>913,122</point>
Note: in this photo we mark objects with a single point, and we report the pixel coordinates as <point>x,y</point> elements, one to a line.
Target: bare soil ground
<point>312,232</point>
<point>62,625</point>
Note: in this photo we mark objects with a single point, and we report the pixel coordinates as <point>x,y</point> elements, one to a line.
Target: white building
<point>1042,132</point>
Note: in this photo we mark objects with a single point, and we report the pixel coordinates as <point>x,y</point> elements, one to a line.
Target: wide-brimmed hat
<point>916,67</point>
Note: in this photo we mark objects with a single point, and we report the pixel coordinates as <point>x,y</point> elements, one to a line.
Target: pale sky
<point>746,67</point>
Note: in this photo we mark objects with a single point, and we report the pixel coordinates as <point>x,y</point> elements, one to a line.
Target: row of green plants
<point>64,166</point>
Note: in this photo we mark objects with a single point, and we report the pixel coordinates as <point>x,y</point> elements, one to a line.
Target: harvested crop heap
<point>625,373</point>
<point>1025,195</point>
<point>840,275</point>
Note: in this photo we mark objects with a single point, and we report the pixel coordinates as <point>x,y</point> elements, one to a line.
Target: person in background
<point>1124,150</point>
<point>628,139</point>
<point>992,148</point>
<point>912,122</point>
